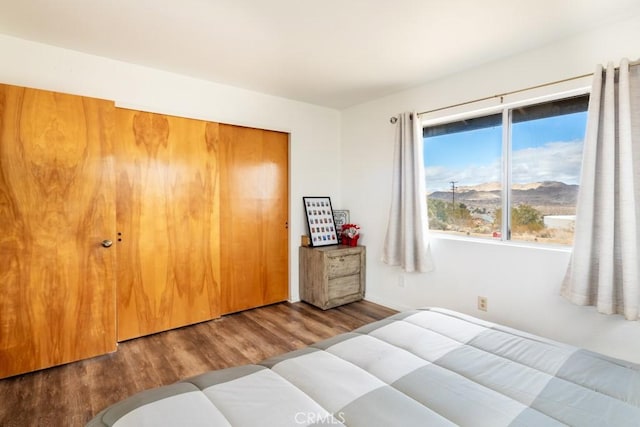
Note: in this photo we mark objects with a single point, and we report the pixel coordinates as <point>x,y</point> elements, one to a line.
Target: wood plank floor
<point>72,394</point>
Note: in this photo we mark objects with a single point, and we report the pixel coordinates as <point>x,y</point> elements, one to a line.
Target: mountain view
<point>539,146</point>
<point>550,197</point>
<point>542,211</point>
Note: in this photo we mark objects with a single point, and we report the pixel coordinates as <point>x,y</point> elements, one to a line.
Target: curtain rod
<point>501,95</point>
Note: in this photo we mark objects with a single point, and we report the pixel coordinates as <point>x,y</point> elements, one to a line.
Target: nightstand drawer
<point>332,275</point>
<point>343,265</point>
<point>344,286</point>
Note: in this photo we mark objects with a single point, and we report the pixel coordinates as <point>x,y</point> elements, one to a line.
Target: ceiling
<point>334,53</point>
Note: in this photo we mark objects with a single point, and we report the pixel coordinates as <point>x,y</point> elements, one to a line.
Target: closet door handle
<point>107,243</point>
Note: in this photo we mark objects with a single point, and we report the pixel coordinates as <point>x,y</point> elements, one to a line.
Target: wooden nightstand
<point>332,275</point>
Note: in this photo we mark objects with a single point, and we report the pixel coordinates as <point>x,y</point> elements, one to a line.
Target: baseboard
<point>389,304</point>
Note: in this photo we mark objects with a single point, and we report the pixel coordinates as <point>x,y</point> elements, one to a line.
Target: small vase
<point>353,241</point>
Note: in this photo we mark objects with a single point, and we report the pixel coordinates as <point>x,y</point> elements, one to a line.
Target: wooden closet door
<point>254,202</point>
<point>57,286</point>
<point>168,222</point>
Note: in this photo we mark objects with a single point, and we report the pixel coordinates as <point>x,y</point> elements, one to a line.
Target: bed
<point>427,367</point>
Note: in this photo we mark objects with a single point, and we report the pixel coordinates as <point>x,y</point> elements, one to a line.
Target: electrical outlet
<point>401,280</point>
<point>482,303</point>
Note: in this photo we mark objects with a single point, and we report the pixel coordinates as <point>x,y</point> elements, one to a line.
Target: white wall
<point>522,283</point>
<point>314,131</point>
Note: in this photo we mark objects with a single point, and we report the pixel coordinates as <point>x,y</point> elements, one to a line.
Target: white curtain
<point>406,243</point>
<point>603,271</point>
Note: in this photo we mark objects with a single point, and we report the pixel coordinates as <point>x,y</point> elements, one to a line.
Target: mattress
<point>428,367</point>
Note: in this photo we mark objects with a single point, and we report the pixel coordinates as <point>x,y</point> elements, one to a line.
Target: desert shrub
<point>524,218</point>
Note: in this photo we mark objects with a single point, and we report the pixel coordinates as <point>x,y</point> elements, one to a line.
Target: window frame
<point>505,107</point>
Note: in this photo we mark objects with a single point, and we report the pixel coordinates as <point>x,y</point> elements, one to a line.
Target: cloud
<point>553,161</point>
<point>439,178</point>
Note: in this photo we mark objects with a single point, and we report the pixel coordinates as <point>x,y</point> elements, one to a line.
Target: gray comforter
<point>430,367</point>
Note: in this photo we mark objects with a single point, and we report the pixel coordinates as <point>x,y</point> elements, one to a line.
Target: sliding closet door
<point>57,284</point>
<point>168,222</point>
<point>254,217</point>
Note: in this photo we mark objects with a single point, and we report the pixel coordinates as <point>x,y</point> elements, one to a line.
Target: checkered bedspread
<point>430,367</point>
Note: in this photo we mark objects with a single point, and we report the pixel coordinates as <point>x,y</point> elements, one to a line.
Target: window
<point>511,175</point>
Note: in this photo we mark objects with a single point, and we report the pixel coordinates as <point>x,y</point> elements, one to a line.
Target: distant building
<point>560,222</point>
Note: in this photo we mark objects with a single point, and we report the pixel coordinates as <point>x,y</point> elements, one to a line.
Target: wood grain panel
<point>168,217</point>
<point>57,283</point>
<point>254,217</point>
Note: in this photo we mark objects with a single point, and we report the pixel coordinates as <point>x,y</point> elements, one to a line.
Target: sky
<point>547,149</point>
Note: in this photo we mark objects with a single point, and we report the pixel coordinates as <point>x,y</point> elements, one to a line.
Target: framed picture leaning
<point>322,228</point>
